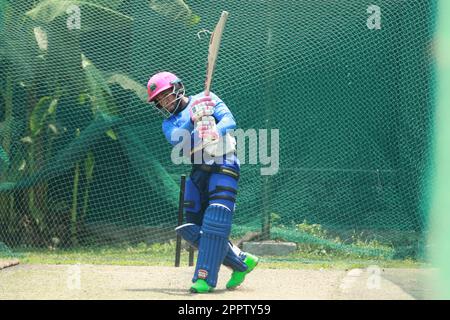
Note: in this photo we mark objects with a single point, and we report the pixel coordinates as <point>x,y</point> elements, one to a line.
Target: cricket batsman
<point>212,186</point>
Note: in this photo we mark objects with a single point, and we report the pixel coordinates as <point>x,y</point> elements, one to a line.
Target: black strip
<point>215,169</point>
<point>229,198</point>
<point>223,188</point>
<point>205,167</point>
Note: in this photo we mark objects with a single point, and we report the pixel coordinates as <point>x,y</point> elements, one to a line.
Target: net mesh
<point>83,161</point>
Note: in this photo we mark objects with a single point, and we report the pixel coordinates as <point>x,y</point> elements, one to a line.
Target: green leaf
<point>176,10</point>
<point>15,37</point>
<point>43,108</point>
<point>52,108</point>
<point>89,165</point>
<point>129,84</point>
<point>41,38</point>
<point>94,76</point>
<point>38,115</point>
<point>94,14</point>
<point>110,133</point>
<point>82,98</point>
<point>26,140</point>
<point>53,128</point>
<point>194,20</point>
<point>100,92</point>
<point>46,11</point>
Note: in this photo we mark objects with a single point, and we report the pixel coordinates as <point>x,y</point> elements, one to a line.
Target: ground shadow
<point>413,282</point>
<point>174,292</point>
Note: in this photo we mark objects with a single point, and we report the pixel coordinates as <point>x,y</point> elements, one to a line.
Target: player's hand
<point>202,107</point>
<point>207,129</point>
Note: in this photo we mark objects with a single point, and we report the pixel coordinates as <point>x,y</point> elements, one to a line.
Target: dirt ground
<point>87,282</point>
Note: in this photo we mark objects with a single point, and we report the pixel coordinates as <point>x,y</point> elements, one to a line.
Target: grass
<point>317,248</point>
<point>163,255</point>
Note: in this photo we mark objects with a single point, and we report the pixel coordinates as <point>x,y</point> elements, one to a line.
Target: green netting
<point>83,160</point>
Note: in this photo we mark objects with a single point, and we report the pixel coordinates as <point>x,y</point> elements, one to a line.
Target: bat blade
<point>213,52</point>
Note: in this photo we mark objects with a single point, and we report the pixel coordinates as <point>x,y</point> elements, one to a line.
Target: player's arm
<point>224,118</point>
<point>207,107</point>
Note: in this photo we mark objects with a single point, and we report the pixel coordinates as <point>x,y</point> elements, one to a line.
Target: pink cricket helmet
<point>160,82</point>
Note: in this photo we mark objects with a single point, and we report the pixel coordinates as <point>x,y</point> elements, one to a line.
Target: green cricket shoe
<point>201,286</point>
<point>237,277</point>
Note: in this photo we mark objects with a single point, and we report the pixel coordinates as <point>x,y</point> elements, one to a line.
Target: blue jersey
<point>182,121</point>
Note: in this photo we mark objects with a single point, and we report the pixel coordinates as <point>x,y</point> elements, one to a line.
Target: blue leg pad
<point>189,232</point>
<point>234,258</point>
<point>213,245</point>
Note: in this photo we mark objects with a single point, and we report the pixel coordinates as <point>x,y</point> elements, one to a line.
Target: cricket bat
<point>213,52</point>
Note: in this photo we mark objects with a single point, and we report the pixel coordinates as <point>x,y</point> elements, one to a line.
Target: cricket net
<point>348,85</point>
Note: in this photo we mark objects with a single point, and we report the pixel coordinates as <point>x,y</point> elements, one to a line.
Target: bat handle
<point>207,141</point>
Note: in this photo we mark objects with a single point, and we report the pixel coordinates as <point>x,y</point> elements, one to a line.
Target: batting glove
<point>200,108</point>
